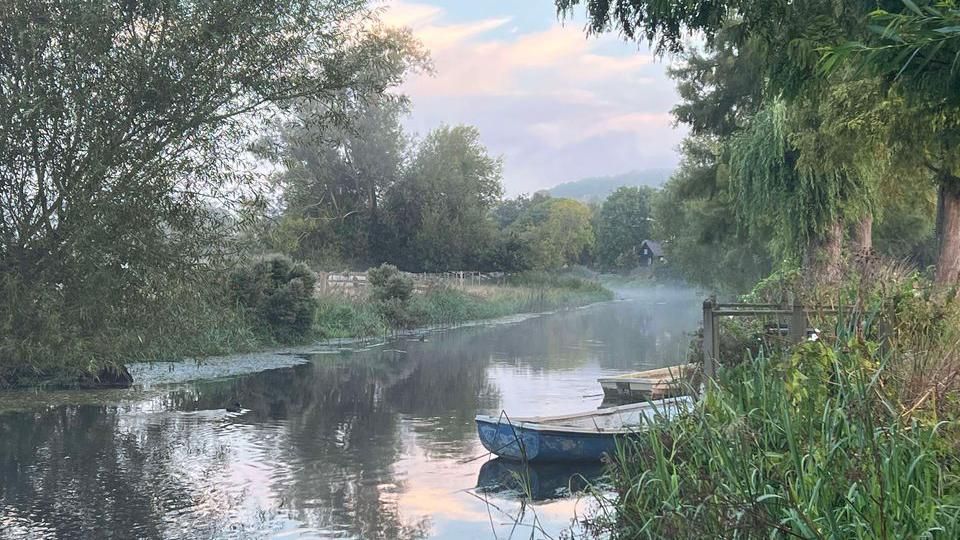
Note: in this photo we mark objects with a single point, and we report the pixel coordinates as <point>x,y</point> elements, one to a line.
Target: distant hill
<point>597,189</point>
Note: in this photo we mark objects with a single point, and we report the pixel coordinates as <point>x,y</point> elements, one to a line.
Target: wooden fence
<point>796,316</point>
<point>354,283</point>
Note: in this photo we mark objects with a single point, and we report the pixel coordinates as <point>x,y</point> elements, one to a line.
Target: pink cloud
<point>547,91</point>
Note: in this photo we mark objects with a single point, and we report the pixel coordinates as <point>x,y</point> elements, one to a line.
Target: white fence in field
<point>352,283</point>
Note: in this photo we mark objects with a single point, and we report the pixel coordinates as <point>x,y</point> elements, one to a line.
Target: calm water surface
<point>369,443</point>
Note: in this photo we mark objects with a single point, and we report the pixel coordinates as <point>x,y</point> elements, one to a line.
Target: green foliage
<point>120,127</point>
<point>334,175</point>
<point>439,210</point>
<point>815,454</point>
<point>695,216</point>
<point>389,283</point>
<point>623,223</point>
<point>917,43</point>
<point>802,202</point>
<point>442,305</point>
<point>44,341</point>
<point>391,291</point>
<point>278,295</point>
<point>558,232</point>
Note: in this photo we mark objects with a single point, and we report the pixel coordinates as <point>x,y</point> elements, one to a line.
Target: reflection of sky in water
<point>369,445</point>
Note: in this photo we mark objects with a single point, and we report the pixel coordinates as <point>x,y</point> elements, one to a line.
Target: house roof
<point>655,248</point>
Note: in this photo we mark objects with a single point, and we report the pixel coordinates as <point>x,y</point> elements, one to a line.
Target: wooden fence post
<point>711,343</point>
<point>798,324</point>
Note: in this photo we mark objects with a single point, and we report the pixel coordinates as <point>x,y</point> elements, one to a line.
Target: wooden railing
<point>356,282</point>
<point>797,317</point>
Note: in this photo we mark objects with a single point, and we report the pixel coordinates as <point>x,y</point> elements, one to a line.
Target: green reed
<point>814,446</point>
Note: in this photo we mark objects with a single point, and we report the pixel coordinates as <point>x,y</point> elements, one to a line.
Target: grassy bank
<point>854,436</point>
<point>249,312</point>
<point>340,316</point>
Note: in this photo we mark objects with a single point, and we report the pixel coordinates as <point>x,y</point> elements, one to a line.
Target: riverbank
<point>850,436</point>
<point>210,325</point>
<point>342,316</point>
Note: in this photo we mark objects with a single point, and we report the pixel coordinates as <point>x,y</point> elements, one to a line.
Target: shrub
<point>278,293</point>
<point>389,283</point>
<point>391,290</point>
<point>810,448</point>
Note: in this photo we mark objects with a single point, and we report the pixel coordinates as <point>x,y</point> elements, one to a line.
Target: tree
<point>805,203</point>
<point>334,175</point>
<point>780,42</point>
<point>558,232</point>
<point>623,223</point>
<point>915,47</point>
<point>120,127</point>
<point>440,209</point>
<point>695,214</point>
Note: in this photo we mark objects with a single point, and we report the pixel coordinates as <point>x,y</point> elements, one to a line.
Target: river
<point>351,442</point>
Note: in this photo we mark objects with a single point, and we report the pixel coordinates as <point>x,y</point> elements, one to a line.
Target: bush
<point>278,294</point>
<point>391,290</point>
<point>389,283</point>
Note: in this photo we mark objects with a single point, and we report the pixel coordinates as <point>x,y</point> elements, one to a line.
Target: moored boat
<point>586,436</point>
<point>646,385</point>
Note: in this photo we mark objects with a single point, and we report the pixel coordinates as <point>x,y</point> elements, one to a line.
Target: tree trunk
<point>824,255</point>
<point>863,236</point>
<point>948,262</point>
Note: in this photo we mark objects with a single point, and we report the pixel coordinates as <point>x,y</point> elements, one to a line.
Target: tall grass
<point>813,449</point>
<point>852,436</point>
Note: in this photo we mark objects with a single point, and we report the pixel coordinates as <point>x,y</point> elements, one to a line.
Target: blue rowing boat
<point>584,436</point>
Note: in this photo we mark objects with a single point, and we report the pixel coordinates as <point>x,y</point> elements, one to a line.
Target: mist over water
<point>367,444</point>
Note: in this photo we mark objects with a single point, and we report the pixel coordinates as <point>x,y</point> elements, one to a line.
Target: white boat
<point>650,384</point>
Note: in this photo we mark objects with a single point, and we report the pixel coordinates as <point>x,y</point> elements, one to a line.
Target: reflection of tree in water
<point>76,472</point>
<point>340,440</point>
<point>327,434</point>
<point>443,392</point>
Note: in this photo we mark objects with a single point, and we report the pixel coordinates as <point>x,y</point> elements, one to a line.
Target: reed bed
<point>851,436</point>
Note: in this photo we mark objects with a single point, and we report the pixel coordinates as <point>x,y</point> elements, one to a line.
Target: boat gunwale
<point>653,376</point>
<point>543,423</point>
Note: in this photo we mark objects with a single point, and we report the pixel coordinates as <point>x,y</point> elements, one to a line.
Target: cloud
<point>542,97</point>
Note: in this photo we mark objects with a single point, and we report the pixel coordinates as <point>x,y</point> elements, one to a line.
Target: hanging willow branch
<point>797,198</point>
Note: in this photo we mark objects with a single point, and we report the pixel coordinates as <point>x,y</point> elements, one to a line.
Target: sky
<point>556,105</point>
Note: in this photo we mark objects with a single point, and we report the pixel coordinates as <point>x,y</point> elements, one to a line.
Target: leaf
<point>913,7</point>
<point>948,30</point>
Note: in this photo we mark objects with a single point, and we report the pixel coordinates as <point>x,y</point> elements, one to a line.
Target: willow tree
<point>806,204</point>
<point>915,48</point>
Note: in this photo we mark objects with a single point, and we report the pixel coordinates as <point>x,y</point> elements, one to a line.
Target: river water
<point>360,442</point>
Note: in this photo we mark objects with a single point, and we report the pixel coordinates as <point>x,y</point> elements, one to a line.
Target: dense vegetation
<point>151,153</point>
<point>823,145</point>
<point>818,130</point>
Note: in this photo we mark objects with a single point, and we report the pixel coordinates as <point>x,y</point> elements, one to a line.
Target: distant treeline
<point>366,194</point>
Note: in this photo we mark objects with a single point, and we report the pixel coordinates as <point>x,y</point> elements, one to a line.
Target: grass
<point>340,316</point>
<point>45,342</point>
<point>810,450</point>
<point>853,436</point>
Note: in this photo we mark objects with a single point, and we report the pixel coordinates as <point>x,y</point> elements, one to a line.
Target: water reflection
<point>374,444</point>
<point>537,481</point>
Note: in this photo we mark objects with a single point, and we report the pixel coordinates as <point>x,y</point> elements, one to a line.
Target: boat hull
<point>536,445</point>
